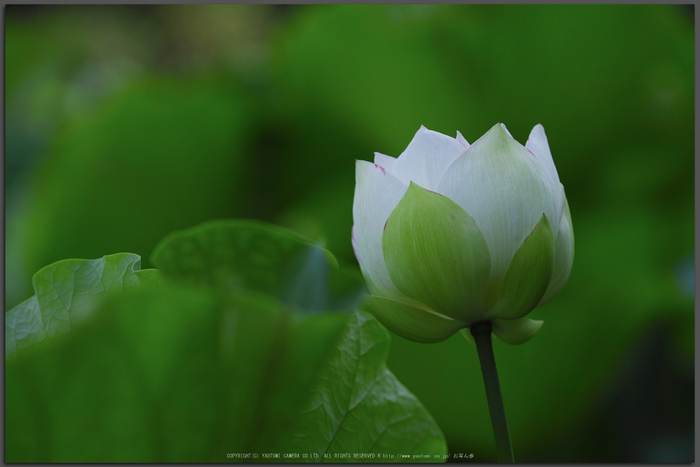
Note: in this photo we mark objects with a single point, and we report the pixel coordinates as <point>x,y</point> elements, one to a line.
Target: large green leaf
<point>360,407</point>
<point>178,374</point>
<point>254,255</point>
<point>66,292</point>
<point>212,363</point>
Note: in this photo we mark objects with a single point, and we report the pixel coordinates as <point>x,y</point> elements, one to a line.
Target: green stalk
<point>482,337</point>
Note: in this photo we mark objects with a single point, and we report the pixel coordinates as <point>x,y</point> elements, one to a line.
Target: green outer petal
<point>436,254</point>
<point>563,256</point>
<point>516,331</point>
<point>528,275</point>
<point>410,322</point>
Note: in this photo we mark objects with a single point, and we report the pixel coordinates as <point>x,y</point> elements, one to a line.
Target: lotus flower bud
<point>448,234</point>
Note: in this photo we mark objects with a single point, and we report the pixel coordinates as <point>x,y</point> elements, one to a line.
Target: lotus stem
<point>482,337</point>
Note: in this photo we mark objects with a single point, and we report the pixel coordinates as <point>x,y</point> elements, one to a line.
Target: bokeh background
<point>124,123</point>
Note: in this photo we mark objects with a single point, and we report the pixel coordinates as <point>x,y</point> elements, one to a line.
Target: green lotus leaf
<point>245,254</point>
<point>179,374</point>
<point>360,407</point>
<point>66,292</point>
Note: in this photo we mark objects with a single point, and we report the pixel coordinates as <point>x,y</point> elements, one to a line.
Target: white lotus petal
<point>426,158</point>
<point>563,255</point>
<point>504,127</point>
<point>500,184</point>
<point>539,146</point>
<point>377,192</point>
<point>385,161</point>
<point>462,140</point>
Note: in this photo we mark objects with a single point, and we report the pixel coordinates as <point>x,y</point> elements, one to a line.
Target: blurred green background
<point>126,123</point>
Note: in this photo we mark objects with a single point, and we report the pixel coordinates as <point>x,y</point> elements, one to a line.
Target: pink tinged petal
<point>426,158</point>
<point>500,184</point>
<point>462,140</point>
<point>563,256</point>
<point>377,192</point>
<point>539,146</point>
<point>385,161</point>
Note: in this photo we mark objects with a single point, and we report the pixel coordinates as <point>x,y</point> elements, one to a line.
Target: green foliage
<point>202,363</point>
<point>67,292</point>
<point>252,255</point>
<point>95,395</point>
<point>162,154</point>
<point>360,406</point>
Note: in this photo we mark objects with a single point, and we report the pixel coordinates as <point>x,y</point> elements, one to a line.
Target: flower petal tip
<point>503,125</point>
<point>462,140</point>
